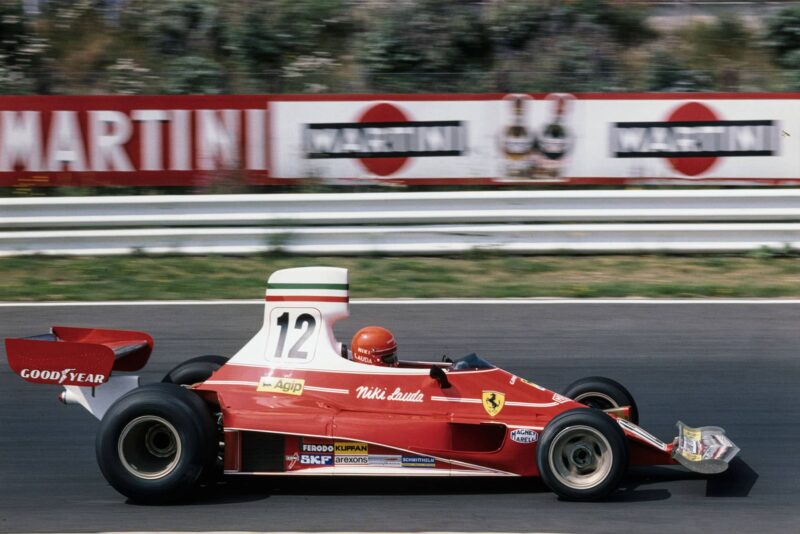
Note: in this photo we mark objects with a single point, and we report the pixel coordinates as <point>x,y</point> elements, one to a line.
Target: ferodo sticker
<point>524,435</point>
<point>350,448</point>
<point>316,447</point>
<point>277,384</point>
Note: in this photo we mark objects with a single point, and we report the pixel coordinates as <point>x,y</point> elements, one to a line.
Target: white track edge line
<point>306,532</point>
<point>399,302</point>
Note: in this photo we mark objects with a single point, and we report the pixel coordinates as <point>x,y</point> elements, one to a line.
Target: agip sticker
<point>277,384</point>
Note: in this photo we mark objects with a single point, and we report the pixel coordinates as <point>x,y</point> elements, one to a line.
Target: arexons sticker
<point>352,460</point>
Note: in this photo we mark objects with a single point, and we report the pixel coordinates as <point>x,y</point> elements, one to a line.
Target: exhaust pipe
<point>68,397</point>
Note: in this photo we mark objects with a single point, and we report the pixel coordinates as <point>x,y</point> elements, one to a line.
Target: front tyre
<point>582,455</point>
<point>603,394</point>
<point>156,443</point>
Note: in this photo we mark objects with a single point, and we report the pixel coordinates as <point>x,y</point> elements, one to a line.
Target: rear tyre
<point>157,443</point>
<point>582,455</point>
<point>195,370</point>
<point>602,393</point>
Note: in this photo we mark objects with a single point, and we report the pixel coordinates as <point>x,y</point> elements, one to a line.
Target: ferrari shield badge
<point>493,402</point>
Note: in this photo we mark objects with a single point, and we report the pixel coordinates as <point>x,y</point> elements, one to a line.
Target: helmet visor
<point>390,359</point>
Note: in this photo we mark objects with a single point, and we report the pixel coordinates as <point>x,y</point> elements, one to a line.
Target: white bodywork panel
<point>302,306</point>
<point>97,400</point>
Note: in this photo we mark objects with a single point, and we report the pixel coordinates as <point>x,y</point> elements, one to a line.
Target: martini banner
<point>420,139</point>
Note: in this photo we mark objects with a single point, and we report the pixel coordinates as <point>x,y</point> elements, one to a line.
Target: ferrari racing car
<point>294,401</point>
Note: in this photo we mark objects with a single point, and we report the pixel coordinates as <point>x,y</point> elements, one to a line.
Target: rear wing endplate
<point>70,356</point>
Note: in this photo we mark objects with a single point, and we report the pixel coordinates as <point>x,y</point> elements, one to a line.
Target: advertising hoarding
<point>496,139</point>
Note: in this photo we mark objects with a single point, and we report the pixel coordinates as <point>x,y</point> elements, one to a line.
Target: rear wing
<point>69,356</point>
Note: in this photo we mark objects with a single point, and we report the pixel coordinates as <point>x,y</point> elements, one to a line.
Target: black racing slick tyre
<point>194,370</point>
<point>157,443</point>
<point>602,393</point>
<point>582,455</point>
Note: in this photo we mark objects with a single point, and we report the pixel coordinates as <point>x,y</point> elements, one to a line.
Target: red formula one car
<point>288,403</point>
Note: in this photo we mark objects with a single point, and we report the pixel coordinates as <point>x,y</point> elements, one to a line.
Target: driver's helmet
<point>375,345</point>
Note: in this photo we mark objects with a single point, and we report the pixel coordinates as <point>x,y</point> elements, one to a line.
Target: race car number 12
<point>306,324</point>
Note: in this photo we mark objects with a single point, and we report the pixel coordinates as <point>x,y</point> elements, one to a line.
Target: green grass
<point>476,275</point>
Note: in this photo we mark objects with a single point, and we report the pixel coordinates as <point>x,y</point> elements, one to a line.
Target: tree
<point>668,73</point>
<point>428,45</point>
<point>22,53</point>
<point>783,31</point>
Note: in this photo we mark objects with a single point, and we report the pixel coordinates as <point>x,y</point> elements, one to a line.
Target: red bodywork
<point>341,422</point>
<point>294,401</point>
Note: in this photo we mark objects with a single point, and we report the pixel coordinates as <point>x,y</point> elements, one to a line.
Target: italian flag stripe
<point>309,298</point>
<point>342,287</point>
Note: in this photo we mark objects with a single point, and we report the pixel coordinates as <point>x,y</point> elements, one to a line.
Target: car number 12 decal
<point>293,334</point>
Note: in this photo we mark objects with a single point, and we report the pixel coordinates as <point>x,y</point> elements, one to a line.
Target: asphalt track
<point>735,365</point>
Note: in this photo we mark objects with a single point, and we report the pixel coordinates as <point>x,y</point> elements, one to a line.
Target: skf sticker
<point>524,435</point>
<point>316,459</point>
<point>277,384</point>
<point>349,448</point>
<point>493,402</point>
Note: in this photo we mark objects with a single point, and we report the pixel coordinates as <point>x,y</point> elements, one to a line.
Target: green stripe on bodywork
<point>308,286</point>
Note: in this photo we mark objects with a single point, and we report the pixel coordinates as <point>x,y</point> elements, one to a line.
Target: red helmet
<point>376,346</point>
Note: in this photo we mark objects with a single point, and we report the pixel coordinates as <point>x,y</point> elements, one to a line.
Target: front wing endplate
<point>704,450</point>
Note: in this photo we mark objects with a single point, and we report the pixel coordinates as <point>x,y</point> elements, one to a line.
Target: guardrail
<point>405,223</point>
<point>402,208</point>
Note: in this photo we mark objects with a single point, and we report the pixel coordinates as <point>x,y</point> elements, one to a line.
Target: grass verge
<point>226,277</point>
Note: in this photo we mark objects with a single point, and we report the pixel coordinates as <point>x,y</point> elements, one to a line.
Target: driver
<point>374,345</point>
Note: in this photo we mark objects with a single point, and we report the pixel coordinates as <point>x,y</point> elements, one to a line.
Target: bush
<point>513,24</point>
<point>783,31</point>
<point>433,44</point>
<point>668,73</point>
<point>197,75</point>
<point>267,36</point>
<point>22,53</point>
<point>176,27</point>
